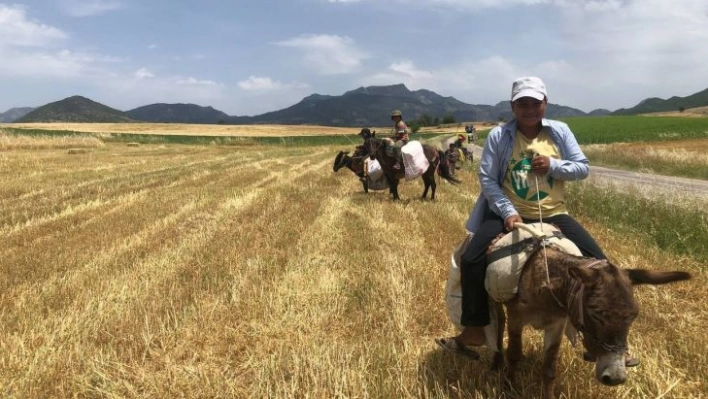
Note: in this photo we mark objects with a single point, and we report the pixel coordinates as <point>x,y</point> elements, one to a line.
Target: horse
<point>354,163</point>
<point>594,295</point>
<point>436,158</point>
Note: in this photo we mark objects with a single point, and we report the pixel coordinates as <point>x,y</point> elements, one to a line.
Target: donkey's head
<point>340,160</point>
<point>603,309</point>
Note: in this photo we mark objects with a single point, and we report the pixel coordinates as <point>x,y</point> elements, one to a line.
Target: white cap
<point>528,86</point>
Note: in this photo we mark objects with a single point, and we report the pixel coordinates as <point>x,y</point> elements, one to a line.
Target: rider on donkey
<point>399,138</point>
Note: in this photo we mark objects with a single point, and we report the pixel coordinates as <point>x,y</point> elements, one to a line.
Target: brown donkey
<point>436,158</point>
<point>594,295</point>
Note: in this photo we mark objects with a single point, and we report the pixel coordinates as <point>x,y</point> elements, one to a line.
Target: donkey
<point>355,164</point>
<point>436,158</point>
<point>594,295</point>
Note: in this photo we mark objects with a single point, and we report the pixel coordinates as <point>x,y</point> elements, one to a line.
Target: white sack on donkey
<point>414,160</point>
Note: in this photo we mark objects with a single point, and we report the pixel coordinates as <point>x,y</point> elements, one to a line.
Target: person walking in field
<point>524,165</point>
<point>399,138</point>
<point>460,142</point>
<point>452,156</point>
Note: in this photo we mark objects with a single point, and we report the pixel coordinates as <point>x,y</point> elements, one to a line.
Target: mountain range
<point>365,106</point>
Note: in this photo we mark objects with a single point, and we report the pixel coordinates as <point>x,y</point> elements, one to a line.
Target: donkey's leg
<point>514,351</point>
<point>427,186</point>
<point>433,186</point>
<point>551,344</point>
<point>429,181</point>
<point>498,360</point>
<point>393,187</point>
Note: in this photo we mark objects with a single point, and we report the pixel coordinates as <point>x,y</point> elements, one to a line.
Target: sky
<point>248,57</point>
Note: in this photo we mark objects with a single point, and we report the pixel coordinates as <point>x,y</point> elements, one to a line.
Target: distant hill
<point>655,104</point>
<point>75,109</point>
<point>177,113</point>
<point>364,106</point>
<point>371,106</point>
<point>600,112</point>
<point>13,114</point>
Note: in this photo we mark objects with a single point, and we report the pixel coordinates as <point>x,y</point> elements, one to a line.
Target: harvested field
<point>191,129</point>
<point>227,130</point>
<point>159,271</point>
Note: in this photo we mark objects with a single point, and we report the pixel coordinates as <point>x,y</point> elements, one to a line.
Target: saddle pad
<point>509,254</point>
<point>414,160</point>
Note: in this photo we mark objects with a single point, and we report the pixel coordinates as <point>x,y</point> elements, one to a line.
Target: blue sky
<point>250,57</point>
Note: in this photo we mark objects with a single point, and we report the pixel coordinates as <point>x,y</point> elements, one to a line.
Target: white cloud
<point>256,83</point>
<point>327,54</point>
<point>88,8</point>
<point>263,85</point>
<point>31,49</point>
<point>195,82</point>
<point>152,46</point>
<point>60,64</point>
<point>16,30</point>
<point>143,73</point>
<point>404,72</point>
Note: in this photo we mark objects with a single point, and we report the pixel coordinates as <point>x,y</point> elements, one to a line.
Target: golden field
<point>181,271</point>
<point>225,130</point>
<point>190,129</point>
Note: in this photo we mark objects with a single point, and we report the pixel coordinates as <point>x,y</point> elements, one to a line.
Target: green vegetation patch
<point>618,129</point>
<point>680,229</point>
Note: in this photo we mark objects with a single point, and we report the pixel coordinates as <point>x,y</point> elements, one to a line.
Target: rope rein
<point>544,242</point>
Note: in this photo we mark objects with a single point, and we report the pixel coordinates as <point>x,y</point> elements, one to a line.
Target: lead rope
<point>543,243</point>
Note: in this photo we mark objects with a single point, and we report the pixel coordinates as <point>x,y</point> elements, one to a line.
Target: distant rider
<point>399,138</point>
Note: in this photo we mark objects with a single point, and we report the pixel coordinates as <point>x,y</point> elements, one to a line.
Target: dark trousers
<point>475,305</point>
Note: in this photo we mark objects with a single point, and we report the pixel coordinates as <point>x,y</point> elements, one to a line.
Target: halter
<point>577,292</point>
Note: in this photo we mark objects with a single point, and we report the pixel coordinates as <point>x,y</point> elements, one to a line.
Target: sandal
<point>454,346</point>
<point>629,360</point>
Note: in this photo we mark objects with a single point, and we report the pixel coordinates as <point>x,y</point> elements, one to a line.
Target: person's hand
<point>509,222</point>
<point>540,164</point>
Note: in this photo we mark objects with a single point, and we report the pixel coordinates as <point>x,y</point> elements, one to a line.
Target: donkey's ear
<point>373,134</point>
<point>643,276</point>
<point>585,275</point>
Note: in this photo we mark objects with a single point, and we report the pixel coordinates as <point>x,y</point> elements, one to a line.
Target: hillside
<point>364,106</point>
<point>654,104</point>
<point>75,109</point>
<point>690,112</point>
<point>177,113</point>
<point>371,106</point>
<point>14,114</point>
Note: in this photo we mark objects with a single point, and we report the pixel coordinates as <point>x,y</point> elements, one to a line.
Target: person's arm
<point>489,176</point>
<point>574,165</point>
